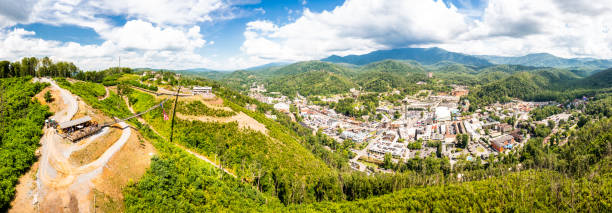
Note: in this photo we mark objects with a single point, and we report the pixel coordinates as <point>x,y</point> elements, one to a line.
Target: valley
<point>305,106</point>
<point>317,136</point>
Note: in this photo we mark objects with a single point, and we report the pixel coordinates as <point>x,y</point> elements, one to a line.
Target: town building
<point>202,90</point>
<point>443,114</point>
<point>281,107</point>
<point>70,126</point>
<point>502,142</point>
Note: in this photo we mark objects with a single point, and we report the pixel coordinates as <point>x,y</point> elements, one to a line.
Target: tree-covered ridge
<point>276,164</point>
<point>307,66</point>
<point>601,79</point>
<point>198,108</point>
<point>112,106</point>
<point>36,67</point>
<point>422,55</point>
<point>548,60</point>
<point>392,66</point>
<point>21,121</point>
<point>313,82</point>
<point>537,85</point>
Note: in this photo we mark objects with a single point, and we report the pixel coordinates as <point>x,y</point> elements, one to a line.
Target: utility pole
<point>174,113</point>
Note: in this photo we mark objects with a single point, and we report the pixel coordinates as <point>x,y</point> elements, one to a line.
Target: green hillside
<point>537,85</point>
<point>601,79</point>
<point>392,66</point>
<point>387,75</point>
<point>310,78</point>
<point>307,66</point>
<point>21,121</point>
<point>274,163</point>
<point>548,60</point>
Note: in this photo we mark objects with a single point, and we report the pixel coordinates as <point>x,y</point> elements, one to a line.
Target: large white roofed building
<point>443,114</point>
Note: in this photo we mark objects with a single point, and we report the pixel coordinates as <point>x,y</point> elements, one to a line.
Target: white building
<point>282,107</point>
<point>443,114</point>
<point>202,90</point>
<point>407,133</point>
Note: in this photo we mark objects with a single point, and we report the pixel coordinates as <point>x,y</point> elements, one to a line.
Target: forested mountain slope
<point>387,75</point>
<point>421,55</point>
<point>601,79</point>
<point>536,85</point>
<point>310,78</point>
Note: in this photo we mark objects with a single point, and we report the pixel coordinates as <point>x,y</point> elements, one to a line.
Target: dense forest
<point>21,121</point>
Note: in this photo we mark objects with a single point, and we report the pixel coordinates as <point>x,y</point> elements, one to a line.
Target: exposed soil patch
<point>95,148</point>
<point>244,121</point>
<point>86,110</point>
<point>56,104</point>
<point>216,103</point>
<point>126,166</point>
<point>109,163</point>
<point>26,191</point>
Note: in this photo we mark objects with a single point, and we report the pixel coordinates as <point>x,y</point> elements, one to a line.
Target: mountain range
<point>549,60</point>
<point>430,56</point>
<point>424,56</point>
<point>439,57</point>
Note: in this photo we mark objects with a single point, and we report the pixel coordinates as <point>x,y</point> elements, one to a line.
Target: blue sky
<point>235,34</point>
<point>225,33</point>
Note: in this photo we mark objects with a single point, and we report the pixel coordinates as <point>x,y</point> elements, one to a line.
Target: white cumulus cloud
<point>357,26</point>
<point>158,33</point>
<point>576,28</point>
<point>141,35</point>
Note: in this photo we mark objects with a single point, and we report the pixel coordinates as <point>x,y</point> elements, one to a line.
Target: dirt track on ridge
<point>61,186</point>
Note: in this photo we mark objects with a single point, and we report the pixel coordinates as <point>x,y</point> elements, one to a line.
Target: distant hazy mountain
<point>424,56</point>
<point>265,66</point>
<point>548,60</point>
<point>202,70</point>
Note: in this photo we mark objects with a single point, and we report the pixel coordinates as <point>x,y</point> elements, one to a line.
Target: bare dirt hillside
<point>69,176</point>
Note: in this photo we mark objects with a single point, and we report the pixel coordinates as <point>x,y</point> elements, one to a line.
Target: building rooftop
<point>201,88</point>
<point>502,139</point>
<point>75,122</point>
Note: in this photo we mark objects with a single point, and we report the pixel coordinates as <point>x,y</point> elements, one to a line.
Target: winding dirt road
<point>105,95</point>
<point>201,157</point>
<point>63,187</point>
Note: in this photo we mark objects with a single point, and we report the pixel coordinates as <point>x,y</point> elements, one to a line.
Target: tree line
<point>32,66</point>
<point>21,121</point>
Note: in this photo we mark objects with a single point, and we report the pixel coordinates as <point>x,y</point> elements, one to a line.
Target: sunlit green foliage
<point>21,121</point>
<point>198,108</point>
<point>541,113</point>
<point>113,106</point>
